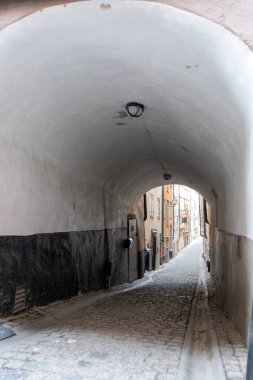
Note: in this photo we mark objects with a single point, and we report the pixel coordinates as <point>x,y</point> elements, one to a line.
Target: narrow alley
<point>126,182</point>
<point>161,328</point>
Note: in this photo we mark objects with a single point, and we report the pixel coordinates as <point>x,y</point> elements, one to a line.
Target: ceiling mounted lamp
<point>134,109</point>
<point>166,177</point>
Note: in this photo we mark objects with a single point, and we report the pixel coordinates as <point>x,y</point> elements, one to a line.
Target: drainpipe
<point>163,219</point>
<point>190,216</point>
<point>162,213</point>
<point>200,216</point>
<point>109,263</point>
<point>179,214</point>
<point>173,213</point>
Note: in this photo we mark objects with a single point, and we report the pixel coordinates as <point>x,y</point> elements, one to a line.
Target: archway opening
<point>75,163</point>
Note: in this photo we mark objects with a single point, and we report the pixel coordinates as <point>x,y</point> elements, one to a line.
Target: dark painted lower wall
<point>58,265</point>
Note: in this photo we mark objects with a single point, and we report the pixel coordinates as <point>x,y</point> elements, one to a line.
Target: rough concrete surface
<point>136,334</point>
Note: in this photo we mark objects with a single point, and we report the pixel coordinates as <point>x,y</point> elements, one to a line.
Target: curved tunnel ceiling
<point>67,73</point>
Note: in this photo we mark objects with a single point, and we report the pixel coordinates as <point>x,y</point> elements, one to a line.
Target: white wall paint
<point>37,197</point>
<point>66,72</point>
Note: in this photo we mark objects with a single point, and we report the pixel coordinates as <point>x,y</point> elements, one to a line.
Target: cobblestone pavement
<point>139,334</point>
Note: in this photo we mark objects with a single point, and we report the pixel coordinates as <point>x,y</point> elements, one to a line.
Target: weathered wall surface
<point>58,265</point>
<point>118,255</point>
<point>231,271</point>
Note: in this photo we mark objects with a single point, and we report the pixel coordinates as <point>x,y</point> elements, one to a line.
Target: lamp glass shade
<point>135,109</point>
<point>167,177</point>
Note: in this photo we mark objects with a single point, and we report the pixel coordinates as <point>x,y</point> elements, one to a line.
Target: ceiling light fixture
<point>135,109</point>
<point>166,177</point>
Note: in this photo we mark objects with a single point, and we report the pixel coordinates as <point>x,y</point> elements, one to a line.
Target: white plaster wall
<point>231,270</point>
<point>37,197</point>
<point>66,74</point>
<point>238,292</point>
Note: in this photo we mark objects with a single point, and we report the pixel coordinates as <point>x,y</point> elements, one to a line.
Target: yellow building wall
<point>168,219</point>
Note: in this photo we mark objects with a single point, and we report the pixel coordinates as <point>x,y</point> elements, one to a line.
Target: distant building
<point>204,225</point>
<point>172,220</point>
<point>185,216</point>
<point>176,219</point>
<point>186,225</point>
<point>195,217</point>
<point>153,225</point>
<point>168,222</point>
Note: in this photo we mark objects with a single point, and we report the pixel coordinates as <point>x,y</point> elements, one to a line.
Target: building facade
<point>168,217</point>
<point>176,218</point>
<point>153,225</point>
<point>184,216</point>
<point>172,220</point>
<point>195,214</point>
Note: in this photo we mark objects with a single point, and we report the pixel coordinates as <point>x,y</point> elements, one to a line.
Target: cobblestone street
<point>137,333</point>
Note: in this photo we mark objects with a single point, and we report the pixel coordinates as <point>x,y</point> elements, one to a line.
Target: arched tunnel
<point>74,164</point>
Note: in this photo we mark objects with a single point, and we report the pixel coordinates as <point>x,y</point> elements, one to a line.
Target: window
<point>151,206</point>
<point>170,211</point>
<point>158,208</point>
<point>167,213</point>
